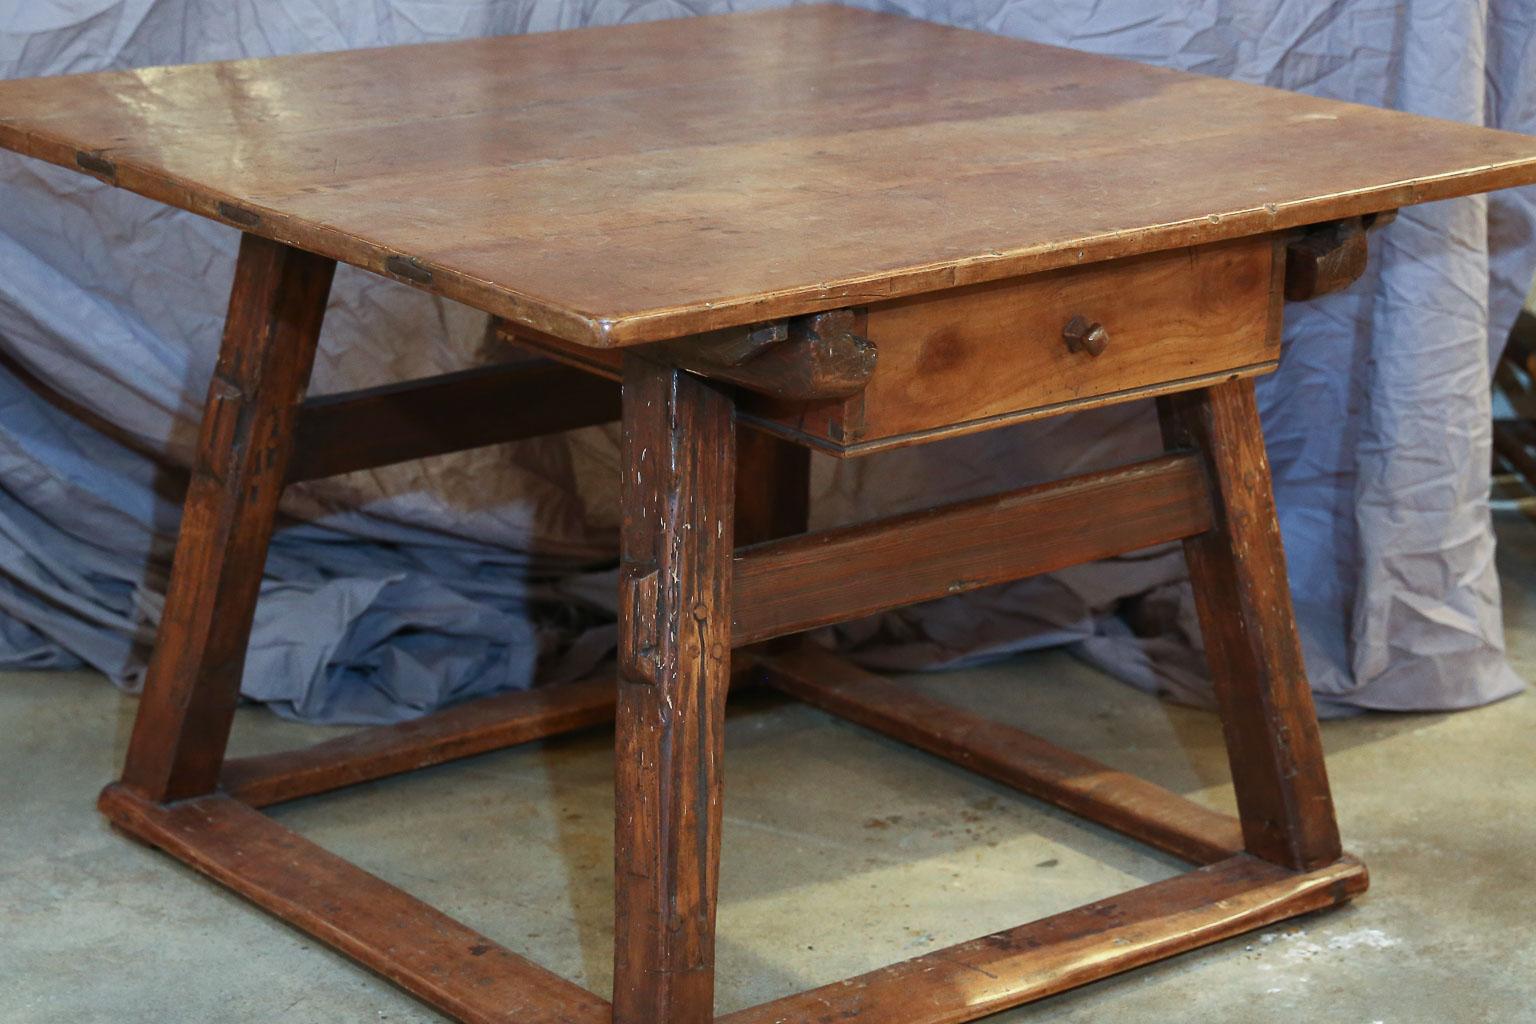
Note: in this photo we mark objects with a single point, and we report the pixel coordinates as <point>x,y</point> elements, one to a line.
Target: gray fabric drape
<point>393,592</point>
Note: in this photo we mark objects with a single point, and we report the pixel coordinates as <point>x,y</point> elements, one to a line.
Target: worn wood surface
<point>354,430</point>
<point>977,358</point>
<point>477,727</point>
<point>1244,603</point>
<point>622,185</point>
<point>275,310</point>
<point>489,723</point>
<point>422,950</point>
<point>1134,807</point>
<point>844,573</point>
<point>674,661</point>
<point>989,974</point>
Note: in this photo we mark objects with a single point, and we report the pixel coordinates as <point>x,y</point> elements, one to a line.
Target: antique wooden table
<point>842,231</point>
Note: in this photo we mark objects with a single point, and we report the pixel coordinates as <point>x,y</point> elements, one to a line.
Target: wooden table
<point>838,230</point>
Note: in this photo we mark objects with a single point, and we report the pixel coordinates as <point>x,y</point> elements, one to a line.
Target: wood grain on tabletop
<point>621,185</point>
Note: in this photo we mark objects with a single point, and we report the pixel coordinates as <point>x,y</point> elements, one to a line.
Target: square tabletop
<point>622,185</point>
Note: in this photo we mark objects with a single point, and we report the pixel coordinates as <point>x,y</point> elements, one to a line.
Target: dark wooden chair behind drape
<point>1514,437</point>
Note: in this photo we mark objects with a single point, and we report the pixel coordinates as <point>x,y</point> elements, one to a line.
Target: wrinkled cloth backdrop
<point>390,593</point>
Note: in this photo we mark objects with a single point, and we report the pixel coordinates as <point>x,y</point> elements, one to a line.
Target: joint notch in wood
<point>639,622</point>
<point>408,267</point>
<point>238,215</point>
<point>95,163</point>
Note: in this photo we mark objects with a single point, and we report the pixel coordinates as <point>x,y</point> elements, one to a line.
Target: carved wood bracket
<point>803,359</point>
<point>1329,257</point>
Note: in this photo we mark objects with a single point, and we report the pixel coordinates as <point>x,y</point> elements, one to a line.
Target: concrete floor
<point>842,852</point>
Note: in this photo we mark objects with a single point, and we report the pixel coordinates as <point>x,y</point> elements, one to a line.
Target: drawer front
<point>978,357</point>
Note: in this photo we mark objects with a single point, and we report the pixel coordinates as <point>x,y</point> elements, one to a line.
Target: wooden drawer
<point>974,358</point>
<point>978,357</point>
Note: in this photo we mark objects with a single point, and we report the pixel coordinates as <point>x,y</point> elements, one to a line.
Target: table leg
<point>183,723</point>
<point>677,540</point>
<point>1244,603</point>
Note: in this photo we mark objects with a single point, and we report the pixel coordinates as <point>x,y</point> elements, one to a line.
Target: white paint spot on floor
<point>1367,938</point>
<point>1299,947</point>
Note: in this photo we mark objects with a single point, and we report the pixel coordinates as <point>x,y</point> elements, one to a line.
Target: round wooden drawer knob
<point>1083,335</point>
